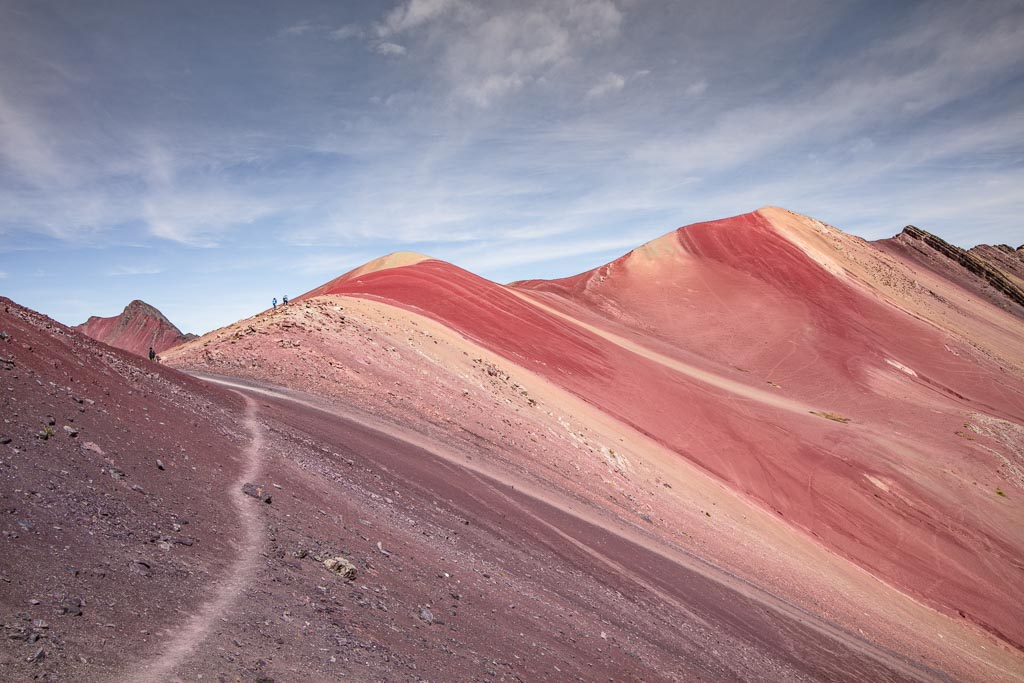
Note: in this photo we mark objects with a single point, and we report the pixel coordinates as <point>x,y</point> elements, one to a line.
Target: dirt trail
<point>674,556</point>
<point>186,638</point>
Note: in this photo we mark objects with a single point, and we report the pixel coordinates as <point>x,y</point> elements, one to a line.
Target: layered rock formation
<point>995,273</point>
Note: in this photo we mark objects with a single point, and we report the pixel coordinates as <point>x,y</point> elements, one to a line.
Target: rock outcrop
<point>993,272</point>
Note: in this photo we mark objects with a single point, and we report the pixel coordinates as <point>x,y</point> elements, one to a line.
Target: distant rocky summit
<point>138,327</point>
<point>994,273</point>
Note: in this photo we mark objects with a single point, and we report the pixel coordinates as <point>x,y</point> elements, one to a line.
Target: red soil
<point>908,489</point>
<point>120,567</point>
<point>136,329</point>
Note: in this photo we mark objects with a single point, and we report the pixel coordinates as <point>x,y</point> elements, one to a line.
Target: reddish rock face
<point>137,329</point>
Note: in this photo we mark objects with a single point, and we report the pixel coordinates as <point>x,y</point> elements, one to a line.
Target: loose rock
<point>258,491</point>
<point>71,607</point>
<point>341,567</point>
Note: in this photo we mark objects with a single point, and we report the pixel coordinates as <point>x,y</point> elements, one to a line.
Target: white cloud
<point>611,83</point>
<point>868,92</point>
<point>483,92</point>
<point>3,275</point>
<point>390,49</point>
<point>200,218</point>
<point>27,148</point>
<point>414,13</point>
<point>485,53</point>
<point>134,270</point>
<point>298,29</point>
<point>697,88</point>
<point>348,31</point>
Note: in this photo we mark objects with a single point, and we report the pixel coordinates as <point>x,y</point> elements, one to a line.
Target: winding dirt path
<point>240,574</point>
<point>673,557</point>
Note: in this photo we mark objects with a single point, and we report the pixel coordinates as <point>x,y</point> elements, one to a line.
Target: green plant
<point>46,432</point>
<point>999,492</point>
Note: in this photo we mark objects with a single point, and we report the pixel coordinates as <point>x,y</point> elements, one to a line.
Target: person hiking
<point>152,353</point>
<point>284,299</point>
<point>274,302</point>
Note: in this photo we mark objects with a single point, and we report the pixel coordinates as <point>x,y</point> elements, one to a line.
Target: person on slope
<point>284,299</point>
<point>152,353</point>
<point>274,302</point>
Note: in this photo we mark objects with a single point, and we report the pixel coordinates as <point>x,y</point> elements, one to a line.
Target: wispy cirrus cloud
<point>520,139</point>
<point>132,271</point>
<point>298,29</point>
<point>387,48</point>
<point>26,145</point>
<point>610,83</point>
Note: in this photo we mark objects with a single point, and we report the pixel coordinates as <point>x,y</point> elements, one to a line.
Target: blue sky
<point>207,156</point>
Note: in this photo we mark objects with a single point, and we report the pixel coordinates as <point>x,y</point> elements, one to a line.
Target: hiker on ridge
<point>274,302</point>
<point>284,300</point>
<point>152,353</point>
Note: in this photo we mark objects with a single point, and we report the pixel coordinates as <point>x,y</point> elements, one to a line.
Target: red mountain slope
<point>137,328</point>
<point>806,368</point>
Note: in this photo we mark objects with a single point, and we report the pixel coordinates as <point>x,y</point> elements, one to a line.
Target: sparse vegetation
<point>829,415</point>
<point>1000,492</point>
<point>46,433</point>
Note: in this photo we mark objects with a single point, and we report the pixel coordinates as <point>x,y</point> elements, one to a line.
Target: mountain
<point>136,329</point>
<point>995,274</point>
<point>246,532</point>
<point>823,418</point>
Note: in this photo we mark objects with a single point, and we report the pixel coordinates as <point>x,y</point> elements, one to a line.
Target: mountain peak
<point>137,328</point>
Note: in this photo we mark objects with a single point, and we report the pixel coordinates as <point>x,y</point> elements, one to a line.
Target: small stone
<point>341,567</point>
<point>426,615</point>
<point>37,657</point>
<point>90,446</point>
<point>257,491</point>
<point>5,439</point>
<point>70,431</point>
<point>160,464</point>
<point>71,607</point>
<point>39,623</point>
<point>142,567</point>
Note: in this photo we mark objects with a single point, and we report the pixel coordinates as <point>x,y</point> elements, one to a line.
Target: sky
<point>207,156</point>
